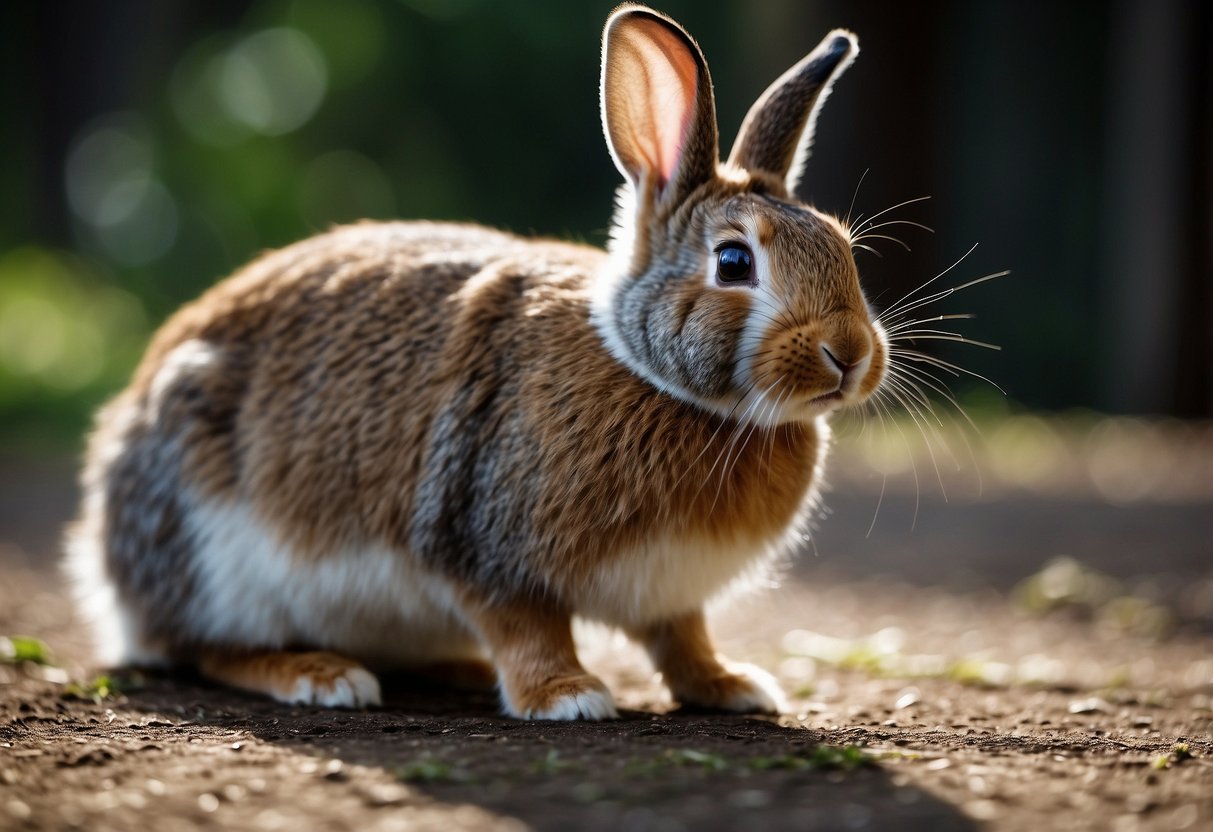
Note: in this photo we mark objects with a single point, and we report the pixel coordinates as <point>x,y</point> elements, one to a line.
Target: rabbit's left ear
<point>657,105</point>
<point>777,132</point>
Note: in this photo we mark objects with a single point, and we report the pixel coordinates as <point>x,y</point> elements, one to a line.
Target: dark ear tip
<point>836,50</point>
<point>842,42</point>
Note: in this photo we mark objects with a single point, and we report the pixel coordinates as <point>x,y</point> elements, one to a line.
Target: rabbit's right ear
<point>778,130</point>
<point>657,106</point>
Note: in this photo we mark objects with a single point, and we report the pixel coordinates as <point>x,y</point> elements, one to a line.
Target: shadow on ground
<point>675,770</point>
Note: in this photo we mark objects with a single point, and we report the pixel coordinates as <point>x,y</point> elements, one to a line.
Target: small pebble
<point>1094,705</point>
<point>982,809</point>
<point>386,794</point>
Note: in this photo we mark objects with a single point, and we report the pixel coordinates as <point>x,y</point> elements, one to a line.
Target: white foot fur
<point>573,697</point>
<point>590,704</point>
<point>353,687</point>
<point>761,695</point>
<point>745,689</point>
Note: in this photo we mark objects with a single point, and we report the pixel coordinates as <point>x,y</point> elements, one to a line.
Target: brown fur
<point>444,393</point>
<point>682,652</point>
<point>327,451</point>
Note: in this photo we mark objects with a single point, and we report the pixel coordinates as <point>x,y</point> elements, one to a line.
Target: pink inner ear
<point>671,75</point>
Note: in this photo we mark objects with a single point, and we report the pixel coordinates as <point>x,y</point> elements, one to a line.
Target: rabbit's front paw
<point>572,697</point>
<point>330,681</point>
<point>739,688</point>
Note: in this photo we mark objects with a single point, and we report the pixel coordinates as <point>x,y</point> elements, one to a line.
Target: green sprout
<point>97,690</point>
<point>430,771</point>
<point>821,758</point>
<point>551,763</point>
<point>18,649</point>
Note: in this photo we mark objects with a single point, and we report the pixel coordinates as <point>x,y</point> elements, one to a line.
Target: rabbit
<point>429,445</point>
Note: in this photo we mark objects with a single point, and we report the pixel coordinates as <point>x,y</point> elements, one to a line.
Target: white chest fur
<point>672,576</point>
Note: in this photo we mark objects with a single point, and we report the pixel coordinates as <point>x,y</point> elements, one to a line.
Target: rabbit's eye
<point>734,263</point>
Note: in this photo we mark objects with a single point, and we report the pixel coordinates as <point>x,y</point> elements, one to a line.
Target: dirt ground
<point>931,687</point>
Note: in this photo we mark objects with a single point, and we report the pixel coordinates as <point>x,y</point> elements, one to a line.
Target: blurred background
<point>151,148</point>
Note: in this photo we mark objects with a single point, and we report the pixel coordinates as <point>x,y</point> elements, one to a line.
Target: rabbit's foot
<point>312,678</point>
<point>571,697</point>
<point>531,643</point>
<point>682,651</point>
<point>739,688</point>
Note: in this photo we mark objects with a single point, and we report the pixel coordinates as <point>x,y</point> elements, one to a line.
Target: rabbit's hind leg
<point>308,678</point>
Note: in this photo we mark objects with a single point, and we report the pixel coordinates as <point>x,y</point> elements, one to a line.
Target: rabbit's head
<point>724,290</point>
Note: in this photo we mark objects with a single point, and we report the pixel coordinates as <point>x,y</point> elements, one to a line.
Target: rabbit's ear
<point>657,105</point>
<point>777,132</point>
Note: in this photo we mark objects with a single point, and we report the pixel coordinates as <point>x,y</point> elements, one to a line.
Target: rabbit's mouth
<point>826,400</point>
<point>821,404</point>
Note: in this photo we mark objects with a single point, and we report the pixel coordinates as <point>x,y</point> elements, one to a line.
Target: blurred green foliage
<point>163,145</point>
<point>258,131</point>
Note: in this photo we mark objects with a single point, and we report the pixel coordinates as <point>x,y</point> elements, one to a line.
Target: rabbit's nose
<point>851,371</point>
<point>838,363</point>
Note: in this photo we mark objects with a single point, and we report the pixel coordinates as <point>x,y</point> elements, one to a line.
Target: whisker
<point>895,307</point>
<point>895,313</point>
<point>954,369</point>
<point>959,316</point>
<point>737,429</point>
<point>890,208</point>
<point>909,452</point>
<point>915,414</point>
<point>875,404</point>
<point>912,382</point>
<point>771,438</point>
<point>727,471</point>
<point>723,421</point>
<point>870,236</point>
<point>897,380</point>
<point>851,207</point>
<point>926,228</point>
<point>941,388</point>
<point>931,335</point>
<point>783,315</point>
<point>938,386</point>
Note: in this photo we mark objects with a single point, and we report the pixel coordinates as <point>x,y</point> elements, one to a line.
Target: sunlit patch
<point>269,83</point>
<point>61,329</point>
<point>112,188</point>
<point>273,81</point>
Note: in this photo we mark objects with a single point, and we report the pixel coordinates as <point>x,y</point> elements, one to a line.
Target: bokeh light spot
<point>272,81</point>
